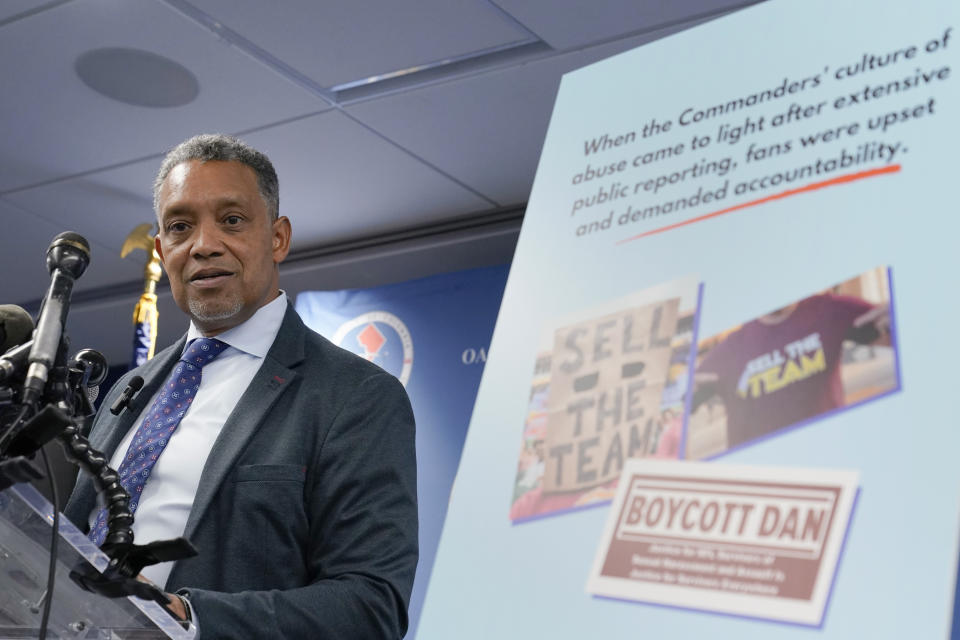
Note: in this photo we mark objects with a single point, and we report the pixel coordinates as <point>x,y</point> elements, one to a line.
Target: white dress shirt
<point>168,496</point>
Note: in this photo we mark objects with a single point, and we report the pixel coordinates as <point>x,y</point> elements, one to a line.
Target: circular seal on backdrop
<point>381,338</point>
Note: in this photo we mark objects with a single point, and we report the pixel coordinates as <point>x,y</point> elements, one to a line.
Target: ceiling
<point>385,120</point>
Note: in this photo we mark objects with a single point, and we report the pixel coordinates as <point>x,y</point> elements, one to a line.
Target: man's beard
<point>213,310</point>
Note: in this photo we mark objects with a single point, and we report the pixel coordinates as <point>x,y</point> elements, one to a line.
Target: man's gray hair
<point>221,148</point>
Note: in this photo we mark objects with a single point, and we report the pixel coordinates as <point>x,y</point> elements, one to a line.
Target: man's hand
<point>174,604</point>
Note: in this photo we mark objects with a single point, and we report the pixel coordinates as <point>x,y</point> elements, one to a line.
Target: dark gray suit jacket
<point>306,516</point>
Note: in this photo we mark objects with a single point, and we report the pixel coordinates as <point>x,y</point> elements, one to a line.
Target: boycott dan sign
<point>606,382</point>
<point>754,541</point>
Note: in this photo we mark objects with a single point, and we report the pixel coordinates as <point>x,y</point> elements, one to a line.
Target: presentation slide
<point>719,398</point>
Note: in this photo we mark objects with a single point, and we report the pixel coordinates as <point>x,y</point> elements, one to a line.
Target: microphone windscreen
<point>72,239</point>
<point>69,252</point>
<point>16,326</point>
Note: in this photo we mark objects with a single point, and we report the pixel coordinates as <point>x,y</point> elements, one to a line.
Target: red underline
<point>850,177</point>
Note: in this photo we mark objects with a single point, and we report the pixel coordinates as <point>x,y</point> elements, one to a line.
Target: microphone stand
<point>49,402</point>
<point>65,407</point>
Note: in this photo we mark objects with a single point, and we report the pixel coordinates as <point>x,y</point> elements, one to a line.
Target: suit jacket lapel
<point>269,383</point>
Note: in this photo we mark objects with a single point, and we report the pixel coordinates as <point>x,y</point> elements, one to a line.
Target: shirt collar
<point>256,335</point>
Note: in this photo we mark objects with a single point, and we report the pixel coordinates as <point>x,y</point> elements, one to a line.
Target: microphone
<point>135,384</point>
<point>88,370</point>
<point>16,325</point>
<point>67,258</point>
<point>13,362</point>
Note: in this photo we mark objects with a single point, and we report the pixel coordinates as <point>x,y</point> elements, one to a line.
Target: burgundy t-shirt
<point>773,375</point>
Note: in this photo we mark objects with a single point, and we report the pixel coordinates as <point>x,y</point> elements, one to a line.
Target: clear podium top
<point>26,520</point>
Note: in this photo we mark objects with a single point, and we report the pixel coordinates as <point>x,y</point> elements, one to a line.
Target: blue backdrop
<point>433,334</point>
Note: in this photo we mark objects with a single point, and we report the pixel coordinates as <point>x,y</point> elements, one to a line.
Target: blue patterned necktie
<point>159,424</point>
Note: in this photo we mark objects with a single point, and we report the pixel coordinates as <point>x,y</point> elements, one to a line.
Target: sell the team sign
<point>754,541</point>
<point>606,382</point>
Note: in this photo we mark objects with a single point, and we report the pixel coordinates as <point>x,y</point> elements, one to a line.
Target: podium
<point>26,520</point>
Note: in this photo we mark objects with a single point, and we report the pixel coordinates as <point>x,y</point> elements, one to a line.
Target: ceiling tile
<point>567,24</point>
<point>340,181</point>
<point>338,42</point>
<point>54,125</point>
<point>26,258</point>
<point>18,9</point>
<point>22,262</point>
<point>485,130</point>
<point>103,207</point>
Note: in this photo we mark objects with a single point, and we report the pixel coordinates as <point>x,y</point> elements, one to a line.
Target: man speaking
<point>288,462</point>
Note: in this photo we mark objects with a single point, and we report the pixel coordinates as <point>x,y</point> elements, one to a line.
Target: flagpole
<point>145,315</point>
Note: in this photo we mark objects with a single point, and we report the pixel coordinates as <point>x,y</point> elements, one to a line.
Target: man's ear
<point>281,239</point>
<point>156,245</point>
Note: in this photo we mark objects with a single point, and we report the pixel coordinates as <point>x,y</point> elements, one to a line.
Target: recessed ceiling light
<point>137,77</point>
